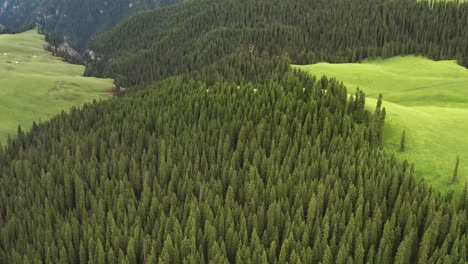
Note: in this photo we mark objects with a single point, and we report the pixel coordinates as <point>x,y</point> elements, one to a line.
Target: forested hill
<point>154,45</point>
<point>286,170</point>
<point>79,20</point>
<point>235,158</point>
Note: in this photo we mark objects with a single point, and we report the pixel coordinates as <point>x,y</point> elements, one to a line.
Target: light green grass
<point>427,99</point>
<point>34,85</point>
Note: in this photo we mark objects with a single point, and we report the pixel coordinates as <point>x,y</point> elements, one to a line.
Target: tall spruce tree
<point>455,171</point>
<point>403,141</point>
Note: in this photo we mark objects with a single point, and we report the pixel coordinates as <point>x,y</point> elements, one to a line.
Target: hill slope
<point>238,158</point>
<point>78,20</point>
<point>423,97</point>
<point>188,36</point>
<point>35,86</point>
<point>276,172</point>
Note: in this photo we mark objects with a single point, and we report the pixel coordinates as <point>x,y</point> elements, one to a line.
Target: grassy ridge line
<point>34,85</point>
<point>409,80</point>
<point>423,97</point>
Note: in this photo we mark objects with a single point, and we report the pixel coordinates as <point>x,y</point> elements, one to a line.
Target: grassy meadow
<point>34,85</point>
<point>427,99</point>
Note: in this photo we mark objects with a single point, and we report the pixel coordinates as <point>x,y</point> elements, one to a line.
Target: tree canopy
<point>278,169</point>
<point>226,154</point>
<point>156,44</point>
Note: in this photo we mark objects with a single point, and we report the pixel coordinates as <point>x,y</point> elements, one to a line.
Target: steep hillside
<point>161,43</point>
<point>78,20</point>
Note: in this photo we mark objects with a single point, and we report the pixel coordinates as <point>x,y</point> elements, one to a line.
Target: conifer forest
<point>215,150</point>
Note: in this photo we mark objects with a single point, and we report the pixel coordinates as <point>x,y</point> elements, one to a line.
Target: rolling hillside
<point>220,152</point>
<point>35,86</point>
<point>277,171</point>
<point>427,99</point>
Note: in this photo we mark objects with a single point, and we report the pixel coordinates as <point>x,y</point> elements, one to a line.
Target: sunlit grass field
<point>34,85</point>
<point>427,99</point>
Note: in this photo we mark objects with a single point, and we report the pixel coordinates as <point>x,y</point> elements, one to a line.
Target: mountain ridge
<point>178,40</point>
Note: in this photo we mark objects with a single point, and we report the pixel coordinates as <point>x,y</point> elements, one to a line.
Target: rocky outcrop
<point>79,19</point>
<point>4,7</point>
<point>64,51</point>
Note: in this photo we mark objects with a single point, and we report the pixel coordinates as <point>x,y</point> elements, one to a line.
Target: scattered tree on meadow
<point>455,171</point>
<point>403,141</point>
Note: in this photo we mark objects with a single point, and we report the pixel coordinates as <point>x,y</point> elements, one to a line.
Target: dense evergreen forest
<point>77,20</point>
<point>193,34</point>
<point>280,169</point>
<point>228,155</point>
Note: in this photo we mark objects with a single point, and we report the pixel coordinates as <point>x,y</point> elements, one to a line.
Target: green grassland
<point>34,85</point>
<point>427,99</point>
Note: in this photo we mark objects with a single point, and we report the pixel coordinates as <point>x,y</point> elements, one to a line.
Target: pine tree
<point>463,198</point>
<point>63,255</point>
<point>100,254</point>
<point>312,209</point>
<point>403,254</point>
<point>328,256</point>
<point>403,141</point>
<point>455,171</point>
<point>359,252</point>
<point>383,115</point>
<point>424,247</point>
<point>131,254</point>
<point>377,130</point>
<point>82,254</point>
